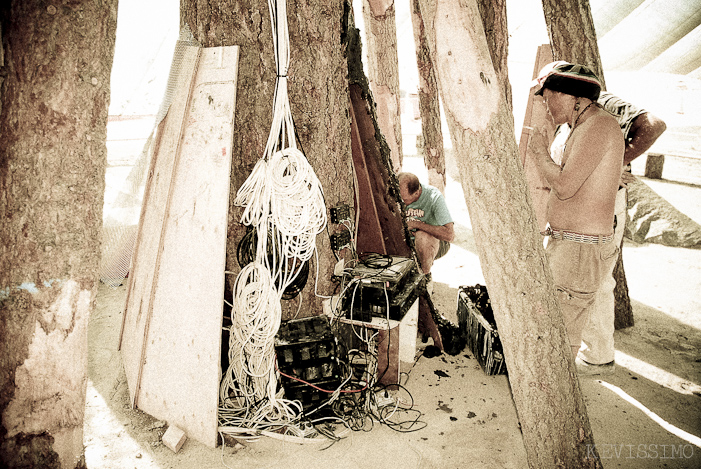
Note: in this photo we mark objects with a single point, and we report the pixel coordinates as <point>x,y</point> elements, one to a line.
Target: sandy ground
<point>646,415</point>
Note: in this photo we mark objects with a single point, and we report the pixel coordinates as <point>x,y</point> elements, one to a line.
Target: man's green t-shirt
<point>430,208</point>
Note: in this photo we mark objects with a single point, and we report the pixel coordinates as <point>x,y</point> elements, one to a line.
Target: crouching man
<point>428,219</point>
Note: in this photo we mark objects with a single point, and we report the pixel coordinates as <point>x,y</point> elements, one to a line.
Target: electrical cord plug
<point>382,398</point>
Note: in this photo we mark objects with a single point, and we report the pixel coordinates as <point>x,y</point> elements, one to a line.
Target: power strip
<point>339,214</point>
<point>340,240</point>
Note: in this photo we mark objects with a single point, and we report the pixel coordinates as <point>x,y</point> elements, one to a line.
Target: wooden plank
<point>160,251</point>
<point>366,209</point>
<point>536,118</point>
<point>153,213</point>
<point>380,218</point>
<point>407,337</point>
<point>180,369</point>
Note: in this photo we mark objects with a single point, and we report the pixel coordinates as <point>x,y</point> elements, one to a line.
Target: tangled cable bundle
<point>282,196</point>
<point>254,195</point>
<point>256,319</point>
<point>297,204</point>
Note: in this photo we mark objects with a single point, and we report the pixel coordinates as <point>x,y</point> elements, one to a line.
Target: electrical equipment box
<point>381,346</point>
<point>476,319</point>
<point>340,240</point>
<point>307,360</point>
<point>387,287</point>
<point>339,213</point>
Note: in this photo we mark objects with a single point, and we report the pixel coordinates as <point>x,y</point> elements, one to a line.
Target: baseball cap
<point>573,79</point>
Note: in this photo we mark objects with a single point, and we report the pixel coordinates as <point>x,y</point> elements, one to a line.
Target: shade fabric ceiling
<point>649,35</point>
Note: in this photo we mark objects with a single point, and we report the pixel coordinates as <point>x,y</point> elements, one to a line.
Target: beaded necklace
<point>574,126</point>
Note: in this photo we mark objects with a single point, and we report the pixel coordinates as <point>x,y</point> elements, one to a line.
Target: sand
<point>646,415</point>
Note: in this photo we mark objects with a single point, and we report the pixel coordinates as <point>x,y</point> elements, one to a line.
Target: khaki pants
<point>597,336</point>
<point>578,270</point>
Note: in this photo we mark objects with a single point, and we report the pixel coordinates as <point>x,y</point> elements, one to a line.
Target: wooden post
<point>536,118</point>
<point>653,165</point>
<point>383,72</point>
<point>430,142</point>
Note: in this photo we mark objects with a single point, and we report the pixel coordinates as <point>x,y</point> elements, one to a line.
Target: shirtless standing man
<point>583,190</point>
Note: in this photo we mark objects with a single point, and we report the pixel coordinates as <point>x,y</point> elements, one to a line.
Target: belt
<point>577,237</point>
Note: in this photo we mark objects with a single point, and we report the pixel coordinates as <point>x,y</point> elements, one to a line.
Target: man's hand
<point>626,178</point>
<point>444,232</point>
<point>539,143</point>
<point>413,224</point>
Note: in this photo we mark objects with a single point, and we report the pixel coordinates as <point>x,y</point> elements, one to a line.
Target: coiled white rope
<point>255,317</point>
<point>284,201</point>
<point>297,205</point>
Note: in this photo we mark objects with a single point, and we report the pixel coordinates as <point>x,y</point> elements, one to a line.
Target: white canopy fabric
<point>649,35</point>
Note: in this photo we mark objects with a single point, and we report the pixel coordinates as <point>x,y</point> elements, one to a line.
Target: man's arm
<point>645,130</point>
<point>539,146</point>
<point>596,138</point>
<point>442,232</point>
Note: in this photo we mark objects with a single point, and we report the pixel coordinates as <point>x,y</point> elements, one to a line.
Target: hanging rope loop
<point>282,197</point>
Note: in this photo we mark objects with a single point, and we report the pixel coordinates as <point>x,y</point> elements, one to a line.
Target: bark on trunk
<point>55,98</point>
<point>543,378</point>
<point>493,14</point>
<point>573,38</point>
<point>572,35</point>
<point>623,311</point>
<point>383,71</point>
<point>318,94</point>
<point>536,117</point>
<point>429,104</point>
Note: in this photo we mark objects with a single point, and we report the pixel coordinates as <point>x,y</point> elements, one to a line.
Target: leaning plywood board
<point>142,274</point>
<point>172,335</point>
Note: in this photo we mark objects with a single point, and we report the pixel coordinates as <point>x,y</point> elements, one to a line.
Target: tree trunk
<point>546,391</point>
<point>53,125</point>
<point>383,71</point>
<point>536,117</point>
<point>573,38</point>
<point>623,312</point>
<point>493,14</point>
<point>318,94</point>
<point>572,34</point>
<point>429,104</point>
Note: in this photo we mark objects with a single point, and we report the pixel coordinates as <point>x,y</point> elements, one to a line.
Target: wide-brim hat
<point>573,79</point>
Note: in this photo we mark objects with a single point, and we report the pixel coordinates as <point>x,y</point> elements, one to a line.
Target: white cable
<point>284,202</point>
<point>255,320</point>
<point>253,195</point>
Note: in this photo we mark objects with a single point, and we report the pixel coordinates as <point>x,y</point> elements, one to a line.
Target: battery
<point>306,352</point>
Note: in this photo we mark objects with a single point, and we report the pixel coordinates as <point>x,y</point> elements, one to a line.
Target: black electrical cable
<point>246,253</point>
<point>246,249</point>
<point>377,261</point>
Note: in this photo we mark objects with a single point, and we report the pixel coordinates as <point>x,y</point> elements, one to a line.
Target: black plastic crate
<point>309,397</point>
<point>307,359</point>
<point>476,320</point>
